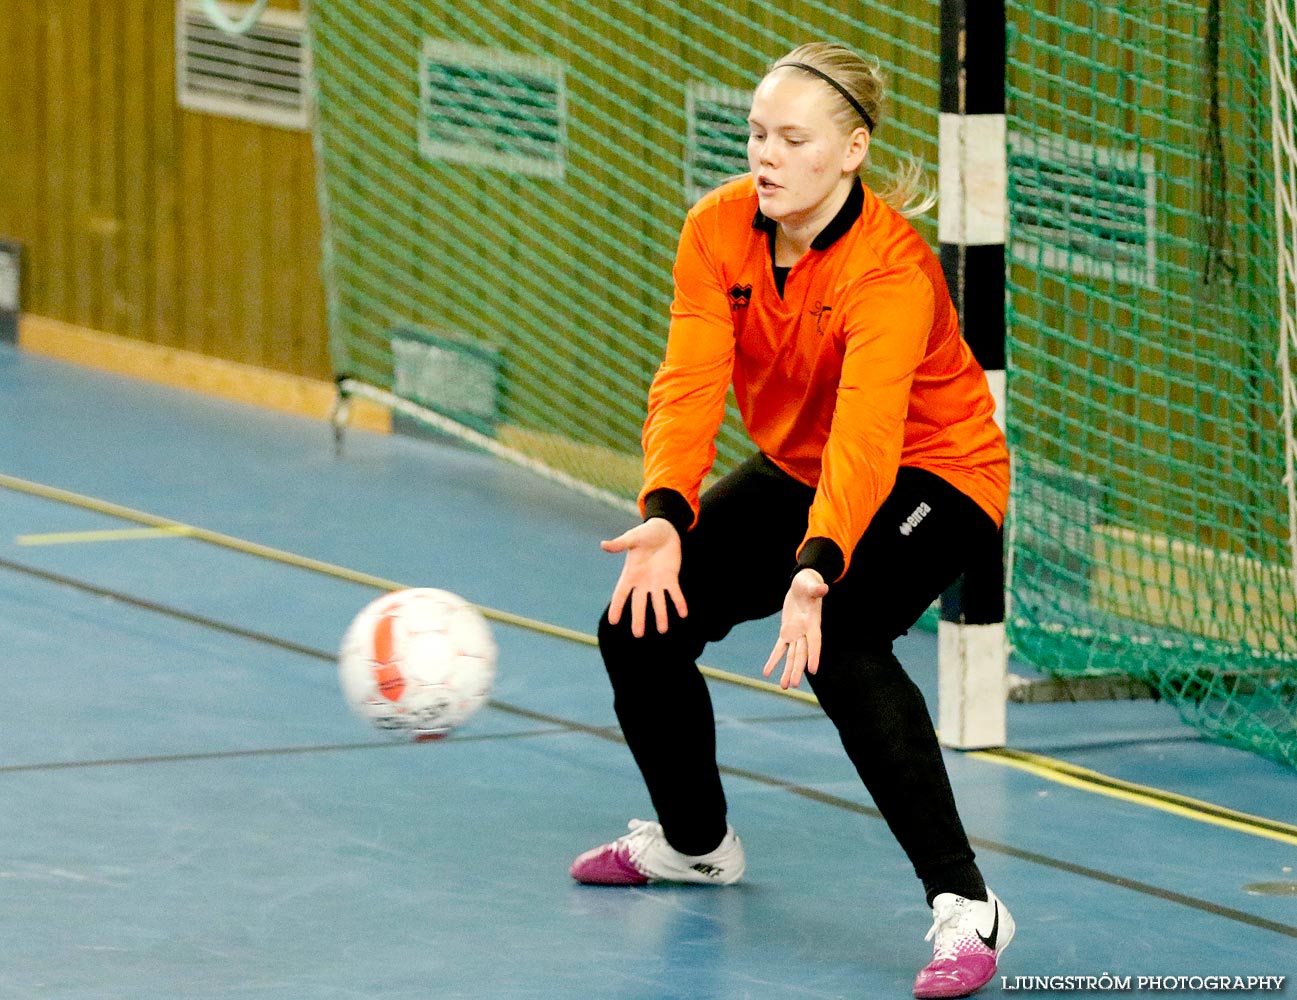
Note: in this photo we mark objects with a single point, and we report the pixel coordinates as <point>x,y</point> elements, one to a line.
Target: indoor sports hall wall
<point>142,218</point>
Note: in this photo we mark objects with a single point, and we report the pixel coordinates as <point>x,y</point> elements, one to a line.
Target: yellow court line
<point>1083,778</point>
<point>114,535</point>
<point>1047,768</point>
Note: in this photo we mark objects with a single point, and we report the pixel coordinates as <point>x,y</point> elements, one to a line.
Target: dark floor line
<point>181,758</point>
<point>164,609</point>
<point>252,635</point>
<point>609,734</point>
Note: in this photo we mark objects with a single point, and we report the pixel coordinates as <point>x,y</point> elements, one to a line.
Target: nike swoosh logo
<point>995,931</point>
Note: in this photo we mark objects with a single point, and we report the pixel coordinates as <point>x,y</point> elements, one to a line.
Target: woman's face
<point>798,155</point>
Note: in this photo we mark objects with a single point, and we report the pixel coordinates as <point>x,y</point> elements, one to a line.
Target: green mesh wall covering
<point>513,177</point>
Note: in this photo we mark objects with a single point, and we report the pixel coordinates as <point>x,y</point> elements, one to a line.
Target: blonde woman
<point>879,466</point>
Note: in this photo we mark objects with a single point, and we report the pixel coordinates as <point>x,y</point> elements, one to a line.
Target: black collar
<point>830,234</point>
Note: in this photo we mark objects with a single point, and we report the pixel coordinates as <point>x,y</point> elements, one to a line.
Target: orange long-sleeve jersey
<point>856,369</point>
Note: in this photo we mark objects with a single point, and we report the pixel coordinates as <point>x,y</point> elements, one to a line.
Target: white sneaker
<point>964,958</point>
<point>644,856</point>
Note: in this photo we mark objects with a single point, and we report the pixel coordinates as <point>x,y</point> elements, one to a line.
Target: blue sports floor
<point>191,811</point>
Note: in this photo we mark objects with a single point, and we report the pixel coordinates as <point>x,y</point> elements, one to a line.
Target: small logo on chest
<point>821,313</point>
<point>740,297</point>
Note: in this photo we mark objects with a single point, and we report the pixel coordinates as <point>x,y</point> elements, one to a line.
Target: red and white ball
<point>417,663</point>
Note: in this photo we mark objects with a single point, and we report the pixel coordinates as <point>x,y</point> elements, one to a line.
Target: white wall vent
<point>260,76</point>
<point>716,138</point>
<point>1085,209</point>
<point>493,109</point>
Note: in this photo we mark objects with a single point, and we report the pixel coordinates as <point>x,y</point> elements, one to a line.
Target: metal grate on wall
<point>493,109</point>
<point>716,137</point>
<point>1083,209</point>
<point>258,76</point>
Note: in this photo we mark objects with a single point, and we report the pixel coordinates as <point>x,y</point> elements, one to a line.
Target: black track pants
<point>737,563</point>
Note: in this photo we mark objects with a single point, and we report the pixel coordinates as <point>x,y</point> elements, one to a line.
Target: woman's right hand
<point>651,573</point>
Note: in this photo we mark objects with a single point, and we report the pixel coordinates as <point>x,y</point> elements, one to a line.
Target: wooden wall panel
<point>140,218</point>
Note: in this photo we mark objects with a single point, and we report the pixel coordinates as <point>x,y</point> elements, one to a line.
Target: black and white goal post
<point>972,217</point>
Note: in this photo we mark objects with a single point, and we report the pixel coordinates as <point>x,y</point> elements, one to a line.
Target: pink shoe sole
<point>607,865</point>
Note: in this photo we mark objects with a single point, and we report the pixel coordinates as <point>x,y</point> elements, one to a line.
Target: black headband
<point>835,85</point>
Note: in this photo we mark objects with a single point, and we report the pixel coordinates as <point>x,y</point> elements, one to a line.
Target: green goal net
<point>1150,157</point>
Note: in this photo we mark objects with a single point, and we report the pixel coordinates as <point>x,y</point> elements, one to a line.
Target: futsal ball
<point>417,663</point>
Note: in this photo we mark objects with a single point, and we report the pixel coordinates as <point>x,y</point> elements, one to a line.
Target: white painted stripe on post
<point>972,685</point>
<point>973,173</point>
<point>998,384</point>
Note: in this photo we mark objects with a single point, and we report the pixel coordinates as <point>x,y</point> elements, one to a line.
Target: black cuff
<point>672,506</point>
<point>823,556</point>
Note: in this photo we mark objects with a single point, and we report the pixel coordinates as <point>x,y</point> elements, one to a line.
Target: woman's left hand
<point>799,629</point>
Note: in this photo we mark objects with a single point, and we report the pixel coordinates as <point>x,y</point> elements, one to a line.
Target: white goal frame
<point>1281,36</point>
